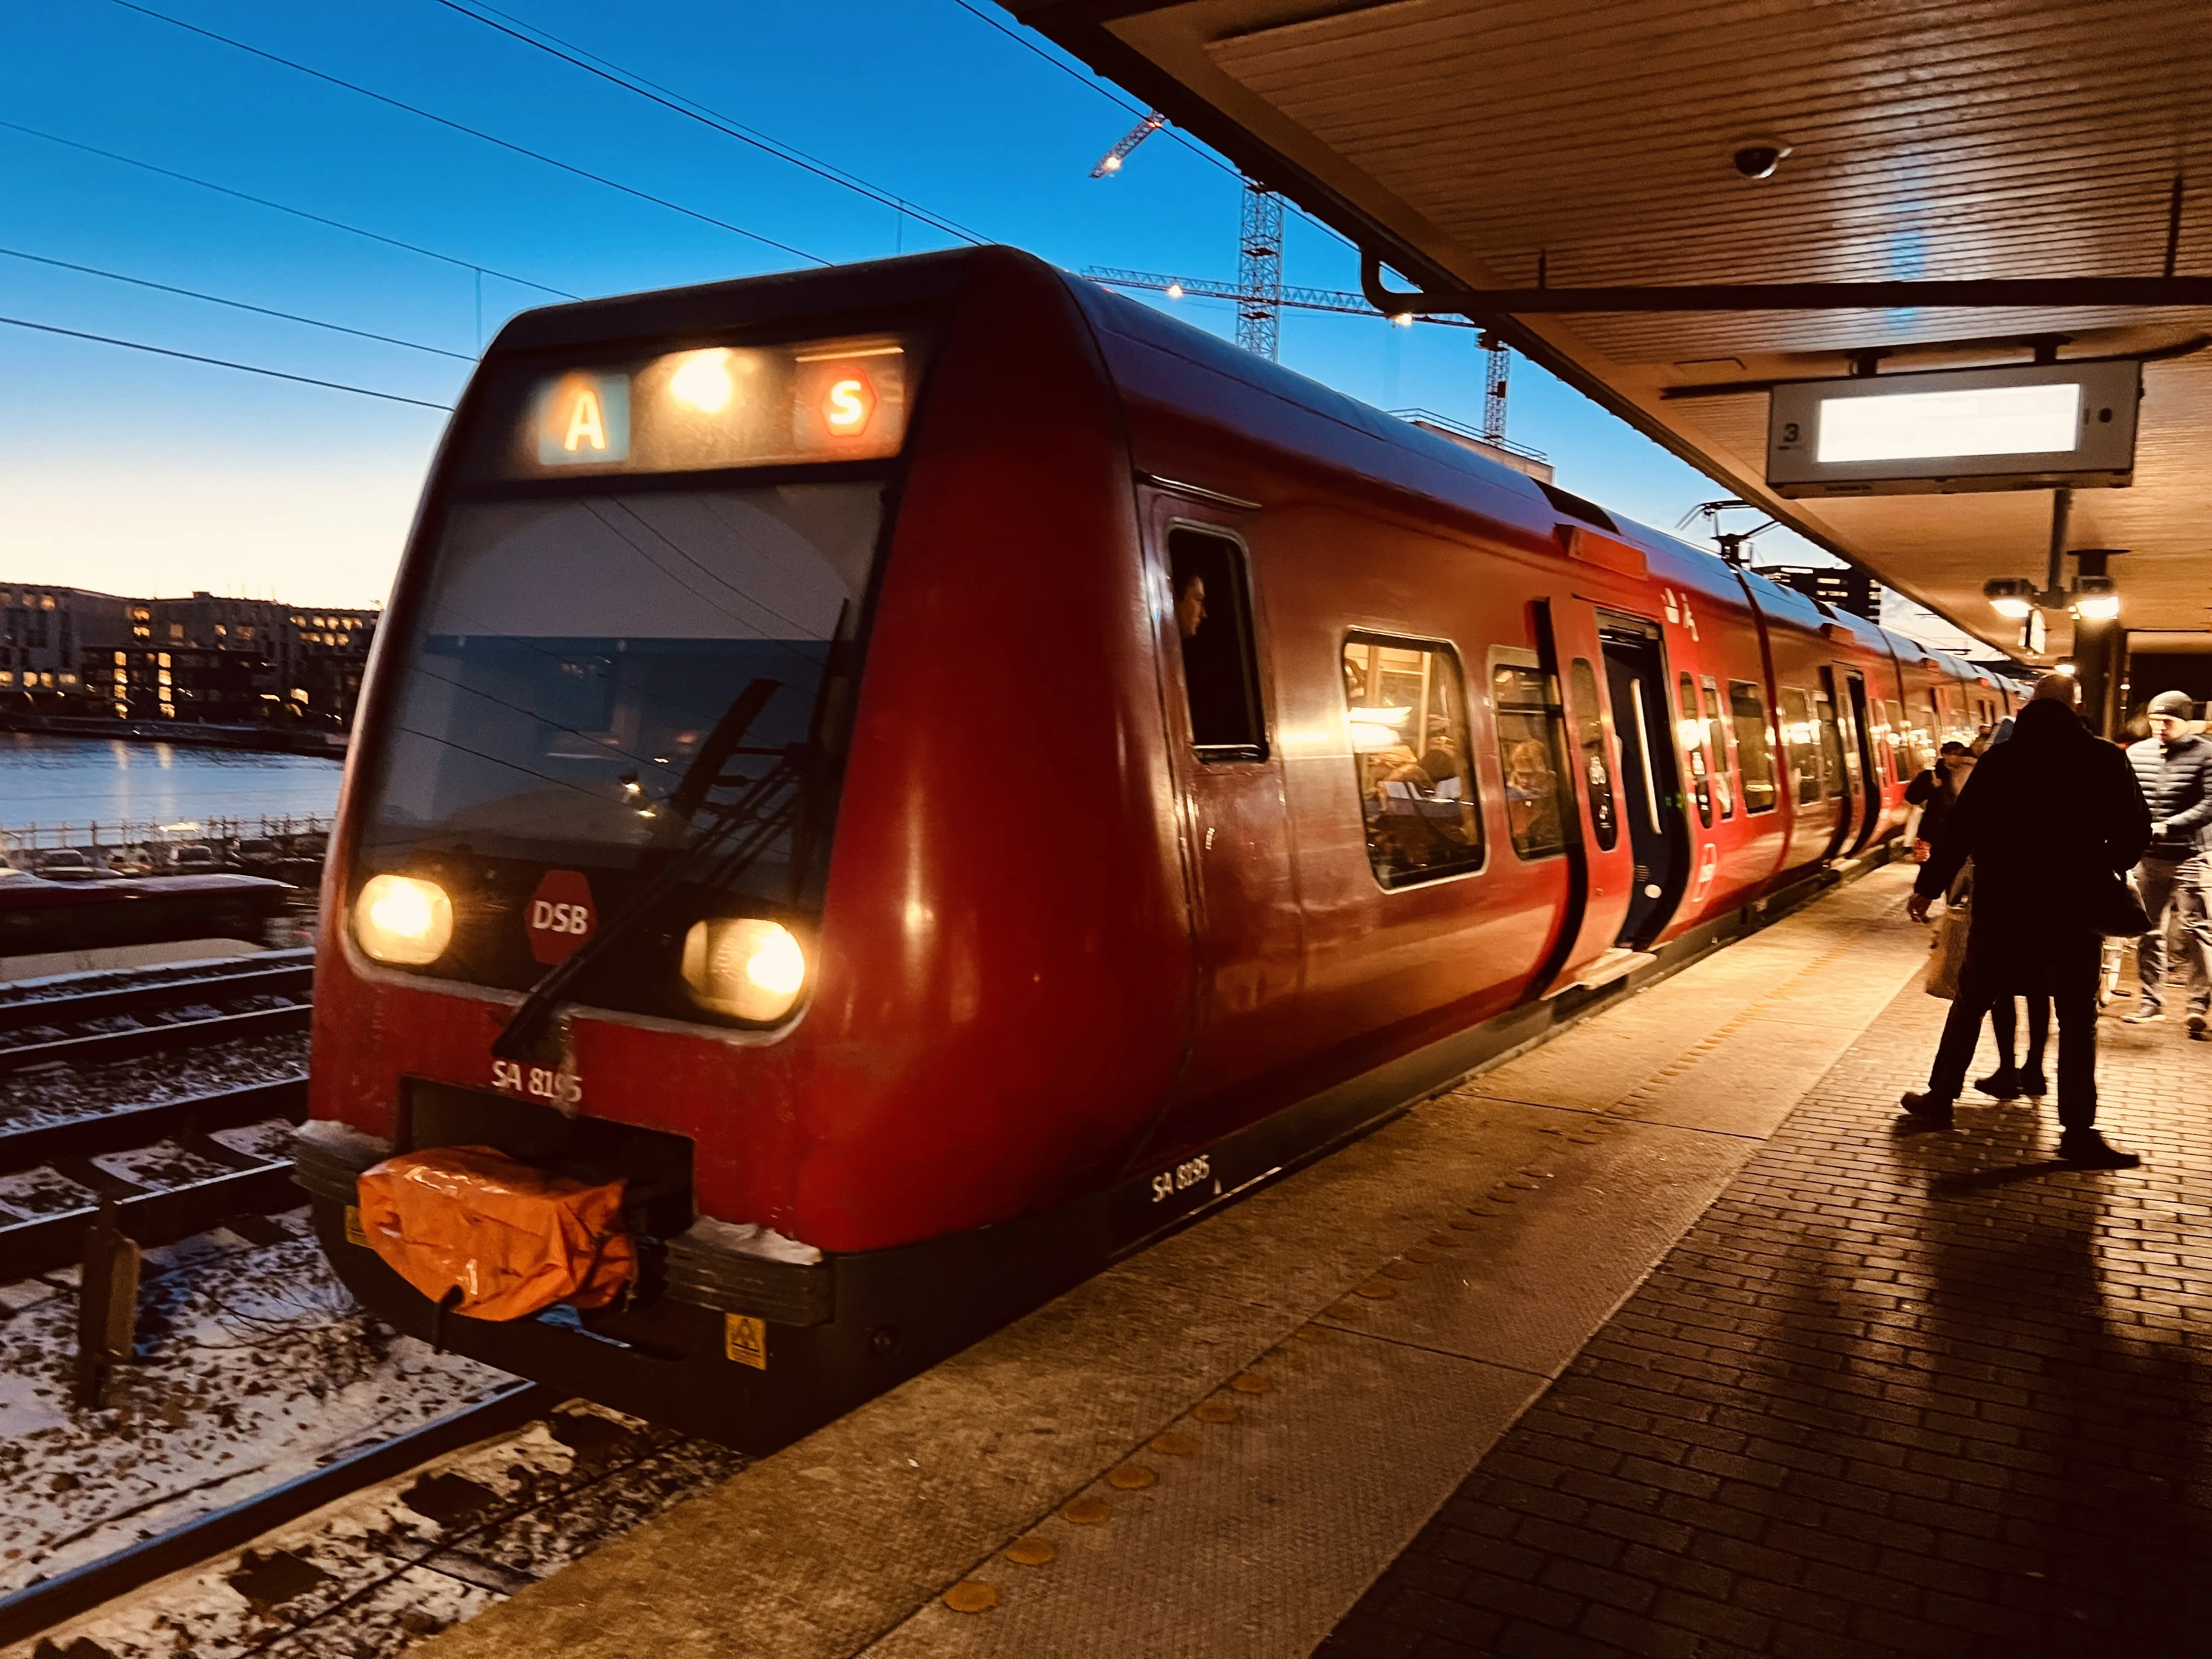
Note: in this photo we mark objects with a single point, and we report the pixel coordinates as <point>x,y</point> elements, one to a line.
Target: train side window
<point>1597,764</point>
<point>1405,717</point>
<point>1716,745</point>
<point>1754,744</point>
<point>1221,667</point>
<point>1899,762</point>
<point>1531,733</point>
<point>1693,734</point>
<point>1800,739</point>
<point>1831,740</point>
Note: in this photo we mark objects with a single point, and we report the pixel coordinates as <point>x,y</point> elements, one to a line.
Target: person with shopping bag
<point>2051,819</point>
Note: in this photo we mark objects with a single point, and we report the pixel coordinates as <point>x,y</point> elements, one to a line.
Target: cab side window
<point>1531,753</point>
<point>1754,745</point>
<point>1405,717</point>
<point>1220,666</point>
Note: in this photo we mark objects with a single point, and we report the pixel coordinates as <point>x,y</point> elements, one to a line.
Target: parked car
<point>72,864</point>
<point>194,858</point>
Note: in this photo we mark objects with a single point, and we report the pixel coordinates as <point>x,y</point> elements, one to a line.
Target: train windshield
<point>595,678</point>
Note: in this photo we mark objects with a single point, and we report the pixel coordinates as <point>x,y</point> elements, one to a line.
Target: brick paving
<point>1895,1394</point>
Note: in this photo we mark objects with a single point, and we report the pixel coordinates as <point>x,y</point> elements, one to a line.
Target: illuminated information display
<point>2029,426</point>
<point>722,406</point>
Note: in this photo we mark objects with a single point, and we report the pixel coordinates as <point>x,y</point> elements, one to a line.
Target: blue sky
<point>136,473</point>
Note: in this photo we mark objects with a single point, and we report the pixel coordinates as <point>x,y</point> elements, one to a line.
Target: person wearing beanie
<point>2174,769</point>
<point>2050,820</point>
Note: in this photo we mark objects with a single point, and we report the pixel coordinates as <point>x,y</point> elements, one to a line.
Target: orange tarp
<point>511,1239</point>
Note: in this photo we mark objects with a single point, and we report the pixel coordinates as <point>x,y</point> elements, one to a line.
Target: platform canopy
<point>1519,144</point>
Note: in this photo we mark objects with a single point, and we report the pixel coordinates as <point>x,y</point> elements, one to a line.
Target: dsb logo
<point>561,916</point>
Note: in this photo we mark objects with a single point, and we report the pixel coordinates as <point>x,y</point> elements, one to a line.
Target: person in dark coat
<point>2050,820</point>
<point>2174,769</point>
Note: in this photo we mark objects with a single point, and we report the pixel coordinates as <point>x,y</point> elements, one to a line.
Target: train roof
<point>1152,355</point>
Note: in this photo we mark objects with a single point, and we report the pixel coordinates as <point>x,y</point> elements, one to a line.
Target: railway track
<point>40,1607</point>
<point>177,1011</point>
<point>172,1168</point>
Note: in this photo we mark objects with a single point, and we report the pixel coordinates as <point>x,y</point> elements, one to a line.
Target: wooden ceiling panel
<point>1987,138</point>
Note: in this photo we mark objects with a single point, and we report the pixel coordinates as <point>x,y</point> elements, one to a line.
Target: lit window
<point>1529,733</point>
<point>162,660</point>
<point>120,659</point>
<point>1406,722</point>
<point>7,677</point>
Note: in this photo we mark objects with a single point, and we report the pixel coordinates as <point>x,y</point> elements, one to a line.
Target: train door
<point>1601,858</point>
<point>1250,947</point>
<point>1649,788</point>
<point>1861,739</point>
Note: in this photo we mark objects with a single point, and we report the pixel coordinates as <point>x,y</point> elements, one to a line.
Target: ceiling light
<point>2009,596</point>
<point>2095,598</point>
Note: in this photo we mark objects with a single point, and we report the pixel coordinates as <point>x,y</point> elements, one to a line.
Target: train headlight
<point>400,919</point>
<point>744,966</point>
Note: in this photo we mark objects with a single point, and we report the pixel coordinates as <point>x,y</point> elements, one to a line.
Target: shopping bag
<point>1947,952</point>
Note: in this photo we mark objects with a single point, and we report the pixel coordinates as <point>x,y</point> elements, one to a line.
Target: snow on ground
<point>252,1365</point>
<point>368,1576</point>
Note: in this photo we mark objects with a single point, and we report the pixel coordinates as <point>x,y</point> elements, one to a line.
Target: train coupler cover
<point>481,1235</point>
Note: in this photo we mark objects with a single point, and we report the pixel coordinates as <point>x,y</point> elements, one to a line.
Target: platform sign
<point>2032,427</point>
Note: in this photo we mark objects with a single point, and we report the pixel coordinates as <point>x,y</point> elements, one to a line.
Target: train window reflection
<point>1221,668</point>
<point>1693,748</point>
<point>1530,742</point>
<point>1801,740</point>
<point>1405,717</point>
<point>573,662</point>
<point>1754,744</point>
<point>1716,745</point>
<point>1596,760</point>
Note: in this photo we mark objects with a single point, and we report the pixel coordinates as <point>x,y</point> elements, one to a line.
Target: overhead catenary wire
<point>235,305</point>
<point>607,70</point>
<point>447,122</point>
<point>1112,95</point>
<point>222,362</point>
<point>476,265</point>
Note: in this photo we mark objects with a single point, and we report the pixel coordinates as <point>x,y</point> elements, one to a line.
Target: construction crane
<point>1282,298</point>
<point>1258,294</point>
<point>1111,162</point>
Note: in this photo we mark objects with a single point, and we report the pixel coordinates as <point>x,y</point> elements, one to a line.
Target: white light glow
<point>399,919</point>
<point>702,380</point>
<point>1921,426</point>
<point>2014,608</point>
<point>2098,607</point>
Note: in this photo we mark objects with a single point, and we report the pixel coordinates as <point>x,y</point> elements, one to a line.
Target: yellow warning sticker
<point>744,1340</point>
<point>354,1234</point>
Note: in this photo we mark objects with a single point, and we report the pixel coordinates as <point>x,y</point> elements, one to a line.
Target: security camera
<point>1758,158</point>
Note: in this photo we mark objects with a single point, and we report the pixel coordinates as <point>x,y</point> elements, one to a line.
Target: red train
<point>933,774</point>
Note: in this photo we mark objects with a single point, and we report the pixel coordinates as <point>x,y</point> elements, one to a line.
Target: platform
<point>1429,1397</point>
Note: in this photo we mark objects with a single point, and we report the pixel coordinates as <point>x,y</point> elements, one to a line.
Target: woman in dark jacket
<point>1934,791</point>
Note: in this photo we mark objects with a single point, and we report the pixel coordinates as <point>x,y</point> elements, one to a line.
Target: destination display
<point>721,406</point>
